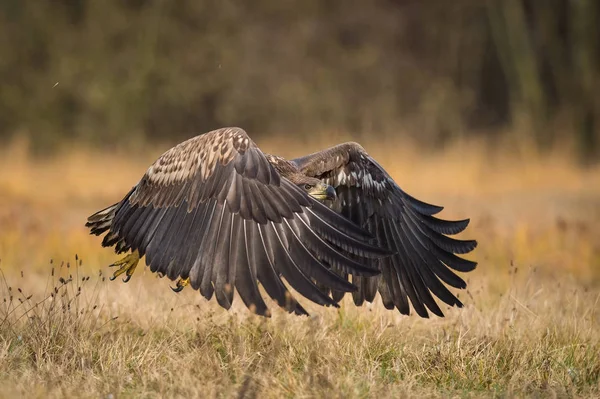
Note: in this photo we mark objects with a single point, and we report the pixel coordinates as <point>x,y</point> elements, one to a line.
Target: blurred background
<point>488,108</point>
<point>128,72</point>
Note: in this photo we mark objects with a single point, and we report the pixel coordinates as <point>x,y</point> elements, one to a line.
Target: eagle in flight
<point>217,213</point>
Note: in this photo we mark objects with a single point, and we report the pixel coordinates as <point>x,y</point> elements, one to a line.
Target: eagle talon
<point>181,283</point>
<point>127,266</point>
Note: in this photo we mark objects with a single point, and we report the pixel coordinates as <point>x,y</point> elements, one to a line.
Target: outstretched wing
<point>213,209</point>
<point>368,196</point>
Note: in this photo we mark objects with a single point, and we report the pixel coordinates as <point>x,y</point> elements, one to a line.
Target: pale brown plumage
<point>219,212</point>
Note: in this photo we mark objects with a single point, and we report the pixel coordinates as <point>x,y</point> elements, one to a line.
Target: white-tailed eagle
<point>217,213</point>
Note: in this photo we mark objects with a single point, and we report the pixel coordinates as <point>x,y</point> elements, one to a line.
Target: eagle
<point>220,215</point>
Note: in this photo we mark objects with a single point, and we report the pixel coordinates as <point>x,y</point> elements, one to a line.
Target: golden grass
<point>530,326</point>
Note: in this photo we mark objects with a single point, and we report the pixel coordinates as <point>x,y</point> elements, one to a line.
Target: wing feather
<point>170,236</point>
<point>290,269</point>
<point>245,279</point>
<point>205,255</point>
<point>219,249</point>
<point>268,276</point>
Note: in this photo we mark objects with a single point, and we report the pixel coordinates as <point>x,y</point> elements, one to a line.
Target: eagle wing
<point>214,210</point>
<point>368,196</point>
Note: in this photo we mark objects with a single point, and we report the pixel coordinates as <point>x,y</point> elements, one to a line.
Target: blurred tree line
<point>99,71</point>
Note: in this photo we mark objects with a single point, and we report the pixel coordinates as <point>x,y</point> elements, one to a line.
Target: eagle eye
<point>308,186</point>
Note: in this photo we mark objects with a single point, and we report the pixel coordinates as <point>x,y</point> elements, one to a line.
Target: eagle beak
<point>330,193</point>
<point>323,192</point>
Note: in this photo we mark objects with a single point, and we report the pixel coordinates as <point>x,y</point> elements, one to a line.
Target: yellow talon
<point>182,282</point>
<point>127,266</point>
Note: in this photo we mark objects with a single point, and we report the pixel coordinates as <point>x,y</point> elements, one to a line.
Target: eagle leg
<point>181,283</point>
<point>127,266</point>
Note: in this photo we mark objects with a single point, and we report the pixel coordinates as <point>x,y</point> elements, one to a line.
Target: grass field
<point>530,325</point>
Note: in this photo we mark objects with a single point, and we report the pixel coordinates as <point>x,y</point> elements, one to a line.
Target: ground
<point>530,325</point>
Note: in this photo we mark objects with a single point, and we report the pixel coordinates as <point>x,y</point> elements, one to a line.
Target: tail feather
<point>101,221</point>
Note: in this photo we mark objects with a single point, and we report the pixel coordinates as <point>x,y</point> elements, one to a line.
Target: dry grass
<point>530,327</point>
